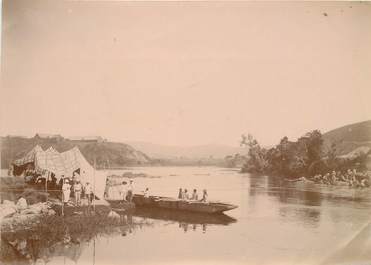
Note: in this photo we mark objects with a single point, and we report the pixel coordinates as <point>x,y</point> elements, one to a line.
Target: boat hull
<point>182,216</point>
<point>180,205</point>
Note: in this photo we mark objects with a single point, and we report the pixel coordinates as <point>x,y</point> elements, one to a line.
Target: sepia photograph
<point>185,132</point>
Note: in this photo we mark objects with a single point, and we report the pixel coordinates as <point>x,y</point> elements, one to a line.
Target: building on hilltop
<point>88,139</point>
<point>54,137</point>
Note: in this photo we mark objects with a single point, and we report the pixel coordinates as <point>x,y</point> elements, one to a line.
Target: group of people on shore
<point>352,178</point>
<point>79,191</point>
<point>185,196</point>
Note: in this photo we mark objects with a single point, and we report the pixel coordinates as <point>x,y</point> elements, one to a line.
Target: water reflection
<point>34,251</point>
<point>186,220</point>
<point>295,202</point>
<point>35,247</point>
<point>185,227</point>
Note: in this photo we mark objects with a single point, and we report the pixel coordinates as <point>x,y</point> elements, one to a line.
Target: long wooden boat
<point>181,205</point>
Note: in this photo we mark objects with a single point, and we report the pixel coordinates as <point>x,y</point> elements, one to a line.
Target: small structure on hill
<point>54,137</point>
<point>88,139</point>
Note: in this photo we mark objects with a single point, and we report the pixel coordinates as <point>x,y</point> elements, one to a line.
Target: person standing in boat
<point>194,195</point>
<point>185,195</point>
<point>146,193</point>
<point>180,194</point>
<point>123,191</point>
<point>130,191</point>
<point>204,196</point>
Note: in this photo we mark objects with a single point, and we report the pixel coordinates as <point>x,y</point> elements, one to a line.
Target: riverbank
<point>50,235</point>
<point>33,223</point>
<point>22,205</point>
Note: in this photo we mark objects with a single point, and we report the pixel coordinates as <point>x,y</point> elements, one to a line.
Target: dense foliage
<point>303,157</point>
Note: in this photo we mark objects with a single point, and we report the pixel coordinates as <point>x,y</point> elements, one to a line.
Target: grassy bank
<point>50,231</point>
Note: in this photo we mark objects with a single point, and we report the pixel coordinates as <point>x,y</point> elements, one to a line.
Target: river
<point>275,223</point>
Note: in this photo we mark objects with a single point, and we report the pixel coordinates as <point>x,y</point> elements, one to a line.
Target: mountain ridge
<point>349,137</point>
<point>106,154</point>
<point>160,151</point>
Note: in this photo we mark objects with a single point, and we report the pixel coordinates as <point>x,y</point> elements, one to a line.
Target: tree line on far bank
<point>304,157</point>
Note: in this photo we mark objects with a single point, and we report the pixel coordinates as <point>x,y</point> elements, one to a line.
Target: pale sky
<point>184,73</point>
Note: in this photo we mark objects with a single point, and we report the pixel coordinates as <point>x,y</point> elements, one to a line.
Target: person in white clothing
<point>146,193</point>
<point>89,193</point>
<point>77,188</point>
<point>204,196</point>
<point>66,190</point>
<point>114,192</point>
<point>123,190</point>
<point>130,191</point>
<point>185,195</point>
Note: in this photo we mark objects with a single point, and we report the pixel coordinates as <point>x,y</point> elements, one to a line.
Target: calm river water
<point>275,223</point>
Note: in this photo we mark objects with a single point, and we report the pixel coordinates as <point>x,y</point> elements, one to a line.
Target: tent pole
<point>47,174</point>
<point>95,166</point>
<point>46,181</point>
<point>62,202</point>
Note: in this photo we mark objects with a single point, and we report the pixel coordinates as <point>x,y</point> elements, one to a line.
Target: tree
<point>304,157</point>
<point>295,158</point>
<point>308,152</point>
<point>256,162</point>
<point>331,158</point>
<point>314,143</point>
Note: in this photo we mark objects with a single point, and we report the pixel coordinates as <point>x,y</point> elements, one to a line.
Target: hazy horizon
<point>129,141</point>
<point>184,73</point>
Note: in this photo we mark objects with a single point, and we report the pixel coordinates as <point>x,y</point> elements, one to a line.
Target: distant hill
<point>349,137</point>
<point>107,154</point>
<point>192,152</point>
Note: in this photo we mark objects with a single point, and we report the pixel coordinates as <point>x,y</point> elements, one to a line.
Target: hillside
<point>349,137</point>
<point>107,154</point>
<point>186,152</point>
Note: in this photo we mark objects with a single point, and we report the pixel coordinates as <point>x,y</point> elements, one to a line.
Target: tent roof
<point>64,163</point>
<point>29,157</point>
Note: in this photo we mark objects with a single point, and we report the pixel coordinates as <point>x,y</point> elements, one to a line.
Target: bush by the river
<point>304,157</point>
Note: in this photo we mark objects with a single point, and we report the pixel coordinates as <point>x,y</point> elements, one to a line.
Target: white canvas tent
<point>64,164</point>
<point>29,157</point>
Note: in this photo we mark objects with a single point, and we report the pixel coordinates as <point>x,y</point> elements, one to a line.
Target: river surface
<point>275,223</point>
